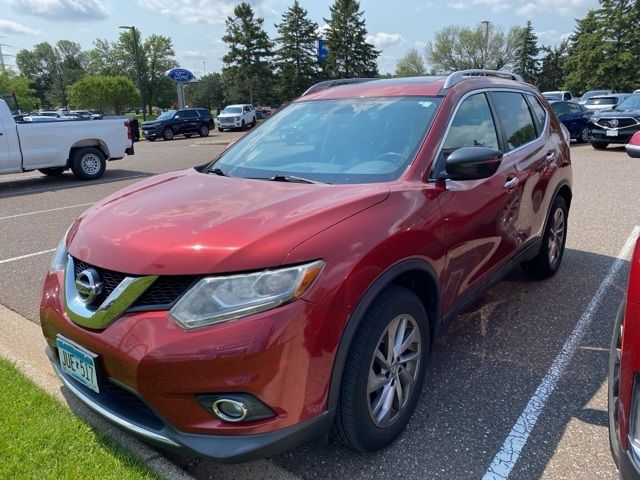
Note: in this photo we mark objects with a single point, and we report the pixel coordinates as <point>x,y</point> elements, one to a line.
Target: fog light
<point>229,410</point>
<point>235,407</point>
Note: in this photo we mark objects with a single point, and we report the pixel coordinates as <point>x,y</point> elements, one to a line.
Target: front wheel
<point>167,134</point>
<point>88,163</point>
<point>547,262</point>
<point>613,397</point>
<point>244,126</point>
<point>584,135</point>
<point>599,145</point>
<point>384,371</point>
<point>203,131</point>
<point>52,171</point>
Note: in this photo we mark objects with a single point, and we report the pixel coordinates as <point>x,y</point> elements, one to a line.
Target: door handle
<point>511,183</point>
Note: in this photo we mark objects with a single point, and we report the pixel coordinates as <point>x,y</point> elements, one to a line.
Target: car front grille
<point>617,122</point>
<point>161,295</point>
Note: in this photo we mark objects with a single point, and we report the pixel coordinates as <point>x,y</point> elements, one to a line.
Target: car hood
<point>617,113</point>
<point>151,123</point>
<point>187,222</point>
<point>230,115</point>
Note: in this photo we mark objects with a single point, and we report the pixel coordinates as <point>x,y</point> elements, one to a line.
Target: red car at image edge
<point>624,378</point>
<point>299,280</point>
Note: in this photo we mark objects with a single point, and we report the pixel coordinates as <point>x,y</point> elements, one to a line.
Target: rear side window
<point>188,114</point>
<point>472,126</point>
<point>540,112</point>
<point>515,117</point>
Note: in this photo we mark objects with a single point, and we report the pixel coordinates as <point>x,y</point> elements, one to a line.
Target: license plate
<point>612,133</point>
<point>78,363</point>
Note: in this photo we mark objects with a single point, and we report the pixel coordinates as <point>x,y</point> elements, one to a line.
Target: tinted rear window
<point>602,101</point>
<point>515,117</point>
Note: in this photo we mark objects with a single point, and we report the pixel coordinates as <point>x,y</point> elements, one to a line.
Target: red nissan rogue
<point>299,280</point>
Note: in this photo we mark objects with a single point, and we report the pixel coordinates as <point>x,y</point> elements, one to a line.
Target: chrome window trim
<point>487,90</point>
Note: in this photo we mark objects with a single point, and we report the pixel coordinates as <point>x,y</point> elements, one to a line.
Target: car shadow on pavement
<point>31,185</point>
<point>482,372</point>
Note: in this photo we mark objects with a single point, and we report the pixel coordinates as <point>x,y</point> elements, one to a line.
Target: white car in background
<point>237,116</point>
<point>562,95</point>
<point>606,102</point>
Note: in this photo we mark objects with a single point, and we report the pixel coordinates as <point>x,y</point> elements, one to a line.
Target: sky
<point>196,26</point>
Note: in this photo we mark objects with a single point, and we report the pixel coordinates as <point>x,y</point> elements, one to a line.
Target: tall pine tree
<point>526,63</point>
<point>247,66</point>
<point>296,61</point>
<point>552,67</point>
<point>350,55</point>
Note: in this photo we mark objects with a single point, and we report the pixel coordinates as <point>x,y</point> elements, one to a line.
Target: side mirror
<point>472,163</point>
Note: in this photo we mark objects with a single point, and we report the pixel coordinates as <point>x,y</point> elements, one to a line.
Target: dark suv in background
<point>616,125</point>
<point>187,122</point>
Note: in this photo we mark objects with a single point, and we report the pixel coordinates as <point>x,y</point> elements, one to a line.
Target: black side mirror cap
<point>472,163</point>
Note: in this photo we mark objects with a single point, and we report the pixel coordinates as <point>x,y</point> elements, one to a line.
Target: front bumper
<point>599,134</point>
<point>633,150</point>
<point>223,448</point>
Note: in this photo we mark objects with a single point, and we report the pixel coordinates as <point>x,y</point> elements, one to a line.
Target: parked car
<point>37,119</point>
<point>575,117</point>
<point>244,307</point>
<point>562,95</point>
<point>52,113</point>
<point>53,146</point>
<point>594,93</point>
<point>633,147</point>
<point>617,125</point>
<point>263,112</point>
<point>237,117</point>
<point>85,115</point>
<point>186,122</point>
<point>624,378</point>
<point>606,102</point>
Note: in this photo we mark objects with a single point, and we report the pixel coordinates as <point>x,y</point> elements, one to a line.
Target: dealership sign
<point>180,75</point>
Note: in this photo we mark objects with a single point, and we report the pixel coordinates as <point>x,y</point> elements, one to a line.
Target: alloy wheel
<point>393,370</point>
<point>556,237</point>
<point>90,164</point>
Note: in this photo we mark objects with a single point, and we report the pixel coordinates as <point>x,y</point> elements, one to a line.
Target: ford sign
<point>180,75</point>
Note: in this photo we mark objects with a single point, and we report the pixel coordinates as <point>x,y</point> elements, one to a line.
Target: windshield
<point>594,93</point>
<point>602,101</point>
<point>630,102</point>
<point>355,140</point>
<point>167,114</point>
<point>552,96</point>
<point>232,110</point>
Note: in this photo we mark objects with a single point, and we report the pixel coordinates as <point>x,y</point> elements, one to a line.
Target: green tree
<point>296,60</point>
<point>350,55</point>
<point>208,92</point>
<point>10,82</point>
<point>483,46</point>
<point>247,66</point>
<point>411,64</point>
<point>526,63</point>
<point>104,93</point>
<point>552,67</point>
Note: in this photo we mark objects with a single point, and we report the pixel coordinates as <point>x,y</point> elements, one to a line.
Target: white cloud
<point>383,40</point>
<point>494,5</point>
<point>191,12</point>
<point>552,37</point>
<point>528,8</point>
<point>7,26</point>
<point>193,54</point>
<point>63,9</point>
<point>420,44</point>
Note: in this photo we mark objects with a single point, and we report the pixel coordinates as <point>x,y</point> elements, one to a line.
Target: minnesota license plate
<point>612,133</point>
<point>78,363</point>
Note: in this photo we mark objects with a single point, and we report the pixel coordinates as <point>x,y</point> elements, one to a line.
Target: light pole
<point>486,42</point>
<point>138,74</point>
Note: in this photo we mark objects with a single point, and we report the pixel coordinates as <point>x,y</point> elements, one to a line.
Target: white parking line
<point>44,211</point>
<point>68,186</point>
<point>13,259</point>
<point>506,458</point>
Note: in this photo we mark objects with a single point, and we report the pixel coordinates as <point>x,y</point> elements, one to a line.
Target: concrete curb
<point>23,344</point>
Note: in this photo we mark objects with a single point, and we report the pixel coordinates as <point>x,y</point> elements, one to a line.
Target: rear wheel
<point>88,163</point>
<point>599,145</point>
<point>167,134</point>
<point>384,371</point>
<point>549,258</point>
<point>52,171</point>
<point>203,131</point>
<point>615,354</point>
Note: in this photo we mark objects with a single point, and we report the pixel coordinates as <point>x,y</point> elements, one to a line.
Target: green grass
<point>41,439</point>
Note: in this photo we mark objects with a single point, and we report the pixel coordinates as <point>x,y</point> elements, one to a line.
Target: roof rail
<point>457,77</point>
<point>334,83</point>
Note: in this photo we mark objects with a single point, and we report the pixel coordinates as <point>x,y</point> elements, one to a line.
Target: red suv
<point>299,280</point>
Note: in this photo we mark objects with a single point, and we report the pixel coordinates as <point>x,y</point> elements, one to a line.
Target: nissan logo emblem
<point>88,285</point>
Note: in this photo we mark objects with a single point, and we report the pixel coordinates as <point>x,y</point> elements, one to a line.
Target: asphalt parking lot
<point>484,369</point>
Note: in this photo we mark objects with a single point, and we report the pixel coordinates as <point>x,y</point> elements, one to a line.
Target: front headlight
<point>237,119</point>
<point>59,260</point>
<point>218,299</point>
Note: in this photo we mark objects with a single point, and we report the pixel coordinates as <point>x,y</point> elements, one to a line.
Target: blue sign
<point>180,75</point>
<point>323,51</point>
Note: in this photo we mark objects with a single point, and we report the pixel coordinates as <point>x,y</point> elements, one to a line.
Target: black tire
<point>355,424</point>
<point>151,139</point>
<point>599,145</point>
<point>220,129</point>
<point>167,133</point>
<point>244,126</point>
<point>545,264</point>
<point>52,171</point>
<point>614,384</point>
<point>584,136</point>
<point>88,163</point>
<point>203,131</point>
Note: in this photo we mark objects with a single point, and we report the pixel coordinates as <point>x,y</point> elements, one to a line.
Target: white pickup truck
<point>53,147</point>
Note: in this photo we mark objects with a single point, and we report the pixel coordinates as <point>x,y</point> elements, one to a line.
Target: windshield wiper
<point>292,179</point>
<point>218,171</point>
